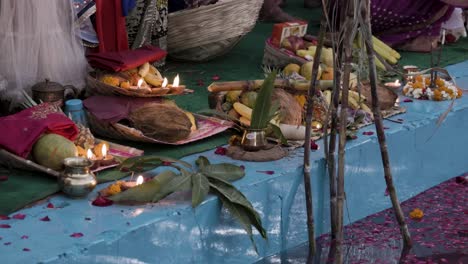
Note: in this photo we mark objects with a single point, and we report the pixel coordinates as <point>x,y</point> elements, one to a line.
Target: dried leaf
<point>200,188</point>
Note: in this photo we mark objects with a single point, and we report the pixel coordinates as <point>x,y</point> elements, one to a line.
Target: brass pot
<point>49,92</point>
<point>77,180</point>
<point>254,139</point>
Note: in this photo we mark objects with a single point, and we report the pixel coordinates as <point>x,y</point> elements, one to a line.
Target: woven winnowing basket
<point>209,31</point>
<point>275,57</point>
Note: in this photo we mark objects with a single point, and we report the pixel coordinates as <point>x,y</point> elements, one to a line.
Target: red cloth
<point>110,26</point>
<point>20,131</point>
<point>125,60</point>
<point>112,109</point>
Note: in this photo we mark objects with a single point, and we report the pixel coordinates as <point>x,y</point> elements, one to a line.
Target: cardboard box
<point>284,30</point>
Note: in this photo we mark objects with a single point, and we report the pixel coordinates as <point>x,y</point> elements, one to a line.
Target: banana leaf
<point>262,109</point>
<point>241,214</point>
<point>145,192</point>
<point>224,171</point>
<point>233,195</point>
<point>200,188</point>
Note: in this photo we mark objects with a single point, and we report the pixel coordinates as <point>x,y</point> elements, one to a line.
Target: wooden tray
<point>11,160</point>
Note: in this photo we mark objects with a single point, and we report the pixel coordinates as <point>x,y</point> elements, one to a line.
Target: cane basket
<point>209,31</point>
<point>279,58</point>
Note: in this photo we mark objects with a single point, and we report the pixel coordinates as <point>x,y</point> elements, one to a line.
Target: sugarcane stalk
<point>348,57</point>
<point>367,34</point>
<point>309,113</point>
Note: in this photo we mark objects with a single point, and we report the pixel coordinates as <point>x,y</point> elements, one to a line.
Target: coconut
<point>161,121</point>
<point>51,149</point>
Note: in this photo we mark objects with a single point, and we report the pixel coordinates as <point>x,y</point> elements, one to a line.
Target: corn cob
<point>385,47</point>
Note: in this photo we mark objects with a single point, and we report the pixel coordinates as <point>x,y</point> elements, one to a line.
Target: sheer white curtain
<point>38,41</point>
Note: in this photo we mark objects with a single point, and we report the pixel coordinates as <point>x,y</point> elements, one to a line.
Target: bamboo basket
<point>279,58</point>
<point>207,126</point>
<point>210,31</point>
<point>96,87</point>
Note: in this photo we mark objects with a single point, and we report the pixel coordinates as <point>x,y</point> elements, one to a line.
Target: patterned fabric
<point>399,21</point>
<point>147,24</point>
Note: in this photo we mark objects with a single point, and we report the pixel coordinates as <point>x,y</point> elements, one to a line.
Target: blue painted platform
<point>172,232</point>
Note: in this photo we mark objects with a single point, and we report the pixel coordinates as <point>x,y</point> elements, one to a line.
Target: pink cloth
<point>125,60</point>
<point>20,131</point>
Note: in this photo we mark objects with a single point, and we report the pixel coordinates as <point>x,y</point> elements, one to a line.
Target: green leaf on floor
<point>200,188</point>
<point>224,171</point>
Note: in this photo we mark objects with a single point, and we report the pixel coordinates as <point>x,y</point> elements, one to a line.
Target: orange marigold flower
<point>427,81</point>
<point>440,82</point>
<point>418,78</point>
<point>418,84</point>
<point>416,214</point>
<point>460,93</point>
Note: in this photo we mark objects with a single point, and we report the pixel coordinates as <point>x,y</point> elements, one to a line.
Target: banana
<point>154,70</point>
<point>153,79</point>
<point>244,121</point>
<point>192,120</point>
<point>243,110</point>
<point>144,69</point>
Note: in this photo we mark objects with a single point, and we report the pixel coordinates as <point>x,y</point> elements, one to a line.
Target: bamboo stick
<point>367,34</point>
<point>309,113</point>
<point>297,85</point>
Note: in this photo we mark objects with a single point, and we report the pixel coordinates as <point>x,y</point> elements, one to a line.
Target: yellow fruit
<point>327,74</point>
<point>192,120</point>
<point>153,80</point>
<point>233,96</point>
<point>291,68</point>
<point>243,110</point>
<point>244,121</point>
<point>143,70</point>
<point>306,70</point>
<point>125,85</point>
<point>327,57</point>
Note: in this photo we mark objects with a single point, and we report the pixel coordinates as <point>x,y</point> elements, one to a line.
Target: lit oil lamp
<point>316,125</point>
<point>176,88</point>
<point>393,85</point>
<point>107,159</point>
<point>130,184</point>
<point>161,90</point>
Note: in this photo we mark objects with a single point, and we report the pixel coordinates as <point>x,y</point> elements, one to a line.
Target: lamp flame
<point>140,82</point>
<point>139,180</point>
<point>164,84</point>
<point>89,154</point>
<point>176,81</point>
<point>104,150</point>
<point>397,82</point>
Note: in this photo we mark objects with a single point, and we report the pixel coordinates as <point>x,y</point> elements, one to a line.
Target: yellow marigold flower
<point>114,188</point>
<point>416,214</point>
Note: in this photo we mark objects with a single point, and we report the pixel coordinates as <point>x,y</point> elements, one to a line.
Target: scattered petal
<point>167,163</point>
<point>26,249</point>
<point>368,133</point>
<point>76,235</point>
<point>139,168</point>
<point>50,205</point>
<point>221,151</point>
<point>407,100</point>
<point>200,82</point>
<point>45,219</point>
<point>102,202</point>
<point>216,77</point>
<point>269,172</point>
<point>352,137</point>
<point>4,217</point>
<point>24,237</point>
<point>87,218</point>
<point>19,216</point>
<point>313,145</point>
<point>386,127</point>
<point>3,178</point>
<point>124,169</point>
<point>7,243</point>
<point>386,192</point>
<point>5,226</point>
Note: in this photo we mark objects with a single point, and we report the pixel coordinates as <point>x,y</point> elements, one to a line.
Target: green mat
<point>242,63</point>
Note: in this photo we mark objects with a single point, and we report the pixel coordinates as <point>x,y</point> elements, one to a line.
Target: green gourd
<point>51,149</point>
